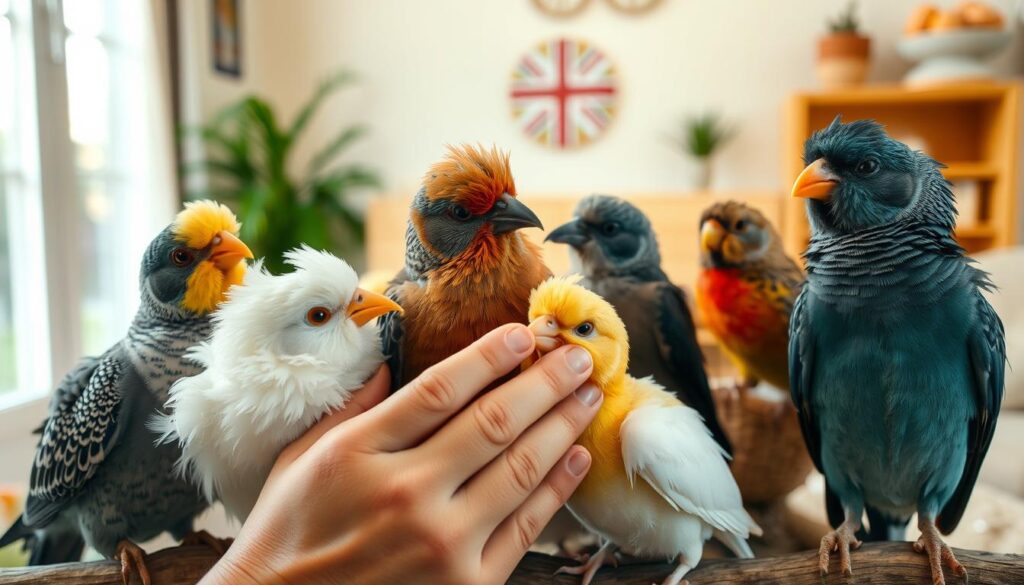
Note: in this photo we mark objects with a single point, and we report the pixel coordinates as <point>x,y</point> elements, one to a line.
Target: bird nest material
<point>769,456</point>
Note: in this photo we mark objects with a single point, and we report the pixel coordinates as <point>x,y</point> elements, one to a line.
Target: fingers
<point>517,533</point>
<point>419,408</point>
<point>373,392</point>
<point>501,487</point>
<point>488,426</point>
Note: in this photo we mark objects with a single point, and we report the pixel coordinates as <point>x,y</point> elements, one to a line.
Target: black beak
<point>509,215</point>
<point>573,233</point>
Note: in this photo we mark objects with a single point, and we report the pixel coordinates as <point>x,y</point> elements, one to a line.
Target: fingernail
<point>578,463</point>
<point>588,394</point>
<point>579,359</point>
<point>518,340</point>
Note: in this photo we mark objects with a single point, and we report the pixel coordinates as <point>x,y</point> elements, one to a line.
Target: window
<point>81,127</point>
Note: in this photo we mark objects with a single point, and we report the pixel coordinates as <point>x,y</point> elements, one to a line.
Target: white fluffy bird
<point>285,350</point>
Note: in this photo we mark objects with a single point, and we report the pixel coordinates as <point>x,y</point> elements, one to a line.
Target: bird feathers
<point>473,176</point>
<point>671,449</point>
<point>76,438</point>
<point>686,492</point>
<point>269,375</point>
<point>200,221</point>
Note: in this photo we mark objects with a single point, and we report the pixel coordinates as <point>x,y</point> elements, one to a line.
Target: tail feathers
<point>736,544</point>
<point>16,532</point>
<point>882,527</point>
<point>45,548</point>
<point>50,549</point>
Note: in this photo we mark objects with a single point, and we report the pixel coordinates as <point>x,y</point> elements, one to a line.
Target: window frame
<point>50,297</point>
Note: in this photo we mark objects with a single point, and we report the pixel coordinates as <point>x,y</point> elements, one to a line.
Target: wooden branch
<point>888,563</point>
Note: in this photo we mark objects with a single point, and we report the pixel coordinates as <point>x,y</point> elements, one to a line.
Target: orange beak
<point>814,182</point>
<point>711,235</point>
<point>228,251</point>
<point>366,306</point>
<point>545,334</point>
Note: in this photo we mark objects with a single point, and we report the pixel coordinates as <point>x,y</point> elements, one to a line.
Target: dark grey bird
<point>896,358</point>
<point>98,477</point>
<point>617,252</point>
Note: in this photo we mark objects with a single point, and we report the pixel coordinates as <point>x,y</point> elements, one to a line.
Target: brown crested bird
<point>746,290</point>
<point>467,267</point>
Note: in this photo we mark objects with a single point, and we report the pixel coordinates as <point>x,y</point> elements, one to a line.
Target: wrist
<point>232,570</point>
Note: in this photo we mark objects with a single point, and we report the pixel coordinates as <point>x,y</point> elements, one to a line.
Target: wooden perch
<point>889,563</point>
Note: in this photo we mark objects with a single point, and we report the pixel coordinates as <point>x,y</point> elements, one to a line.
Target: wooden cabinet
<point>972,128</point>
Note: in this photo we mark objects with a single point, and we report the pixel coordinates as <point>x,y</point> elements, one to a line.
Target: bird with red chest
<point>746,289</point>
<point>467,267</point>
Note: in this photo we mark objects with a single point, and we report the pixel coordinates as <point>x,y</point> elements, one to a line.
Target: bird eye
<point>867,166</point>
<point>317,316</point>
<point>741,225</point>
<point>585,329</point>
<point>181,257</point>
<point>460,213</point>
<point>610,229</point>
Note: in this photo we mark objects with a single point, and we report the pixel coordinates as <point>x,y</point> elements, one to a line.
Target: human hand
<point>423,488</point>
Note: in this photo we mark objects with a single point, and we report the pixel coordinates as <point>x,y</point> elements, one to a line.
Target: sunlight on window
<point>84,17</point>
<point>88,91</point>
<point>8,358</point>
<point>97,58</point>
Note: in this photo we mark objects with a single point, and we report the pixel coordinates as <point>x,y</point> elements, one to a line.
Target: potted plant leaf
<point>702,136</point>
<point>247,165</point>
<point>844,54</point>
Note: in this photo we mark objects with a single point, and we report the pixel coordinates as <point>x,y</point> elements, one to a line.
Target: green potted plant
<point>844,54</point>
<point>702,136</point>
<point>247,166</point>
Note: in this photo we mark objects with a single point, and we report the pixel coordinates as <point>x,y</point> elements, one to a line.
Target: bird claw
<point>938,553</point>
<point>202,537</point>
<point>133,559</point>
<point>590,566</point>
<point>840,540</point>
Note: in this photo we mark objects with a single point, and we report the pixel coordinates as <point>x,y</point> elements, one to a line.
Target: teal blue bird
<point>896,359</point>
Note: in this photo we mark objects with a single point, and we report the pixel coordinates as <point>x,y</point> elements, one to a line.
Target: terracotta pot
<point>843,59</point>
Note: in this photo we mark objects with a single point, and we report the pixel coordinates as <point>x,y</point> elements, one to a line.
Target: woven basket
<point>769,456</point>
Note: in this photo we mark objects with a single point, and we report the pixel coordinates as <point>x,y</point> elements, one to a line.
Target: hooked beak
<point>228,251</point>
<point>815,181</point>
<point>545,333</point>
<point>509,215</point>
<point>366,306</point>
<point>573,233</point>
<point>711,235</point>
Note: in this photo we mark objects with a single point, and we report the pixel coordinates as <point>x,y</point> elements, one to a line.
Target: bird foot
<point>591,563</point>
<point>938,553</point>
<point>202,537</point>
<point>133,560</point>
<point>676,576</point>
<point>840,540</point>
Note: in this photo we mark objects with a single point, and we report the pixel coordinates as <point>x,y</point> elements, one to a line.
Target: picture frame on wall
<point>227,37</point>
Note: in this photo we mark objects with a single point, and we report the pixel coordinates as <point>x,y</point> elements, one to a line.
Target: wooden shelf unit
<point>973,128</point>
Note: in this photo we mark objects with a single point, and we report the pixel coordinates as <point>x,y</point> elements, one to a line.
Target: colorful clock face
<point>564,93</point>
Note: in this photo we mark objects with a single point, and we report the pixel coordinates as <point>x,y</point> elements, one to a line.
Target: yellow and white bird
<point>285,351</point>
<point>658,485</point>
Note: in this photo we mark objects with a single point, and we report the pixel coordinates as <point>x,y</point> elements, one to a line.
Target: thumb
<point>372,393</point>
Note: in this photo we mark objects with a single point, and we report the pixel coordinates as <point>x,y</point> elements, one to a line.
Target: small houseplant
<point>702,136</point>
<point>247,166</point>
<point>844,54</point>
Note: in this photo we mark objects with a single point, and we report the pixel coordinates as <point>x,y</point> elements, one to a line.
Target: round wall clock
<point>564,93</point>
<point>560,7</point>
<point>634,6</point>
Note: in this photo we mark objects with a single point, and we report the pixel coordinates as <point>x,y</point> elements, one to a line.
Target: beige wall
<point>437,71</point>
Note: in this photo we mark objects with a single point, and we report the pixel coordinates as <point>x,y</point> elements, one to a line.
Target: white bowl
<point>955,54</point>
